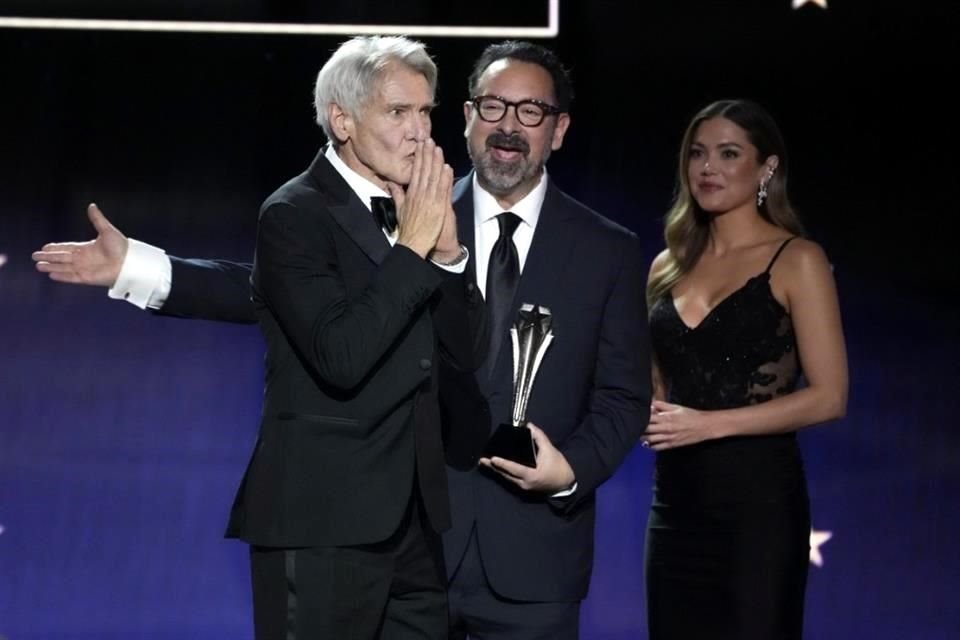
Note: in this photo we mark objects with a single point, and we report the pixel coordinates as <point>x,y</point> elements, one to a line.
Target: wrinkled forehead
<point>401,84</point>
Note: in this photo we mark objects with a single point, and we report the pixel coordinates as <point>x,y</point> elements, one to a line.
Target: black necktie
<point>503,274</point>
<point>385,212</point>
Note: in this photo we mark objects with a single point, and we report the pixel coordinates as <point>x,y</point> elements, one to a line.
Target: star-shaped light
<point>818,538</point>
<point>799,3</point>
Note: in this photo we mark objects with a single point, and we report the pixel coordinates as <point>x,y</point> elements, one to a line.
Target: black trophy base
<point>512,443</point>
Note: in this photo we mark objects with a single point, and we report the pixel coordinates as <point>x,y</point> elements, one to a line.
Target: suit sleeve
<point>619,407</point>
<point>460,319</point>
<point>209,290</point>
<point>298,277</point>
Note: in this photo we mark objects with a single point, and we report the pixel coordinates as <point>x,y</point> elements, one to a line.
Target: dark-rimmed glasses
<point>530,113</point>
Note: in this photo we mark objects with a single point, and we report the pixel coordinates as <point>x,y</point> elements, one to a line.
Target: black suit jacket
<point>591,396</point>
<point>353,330</point>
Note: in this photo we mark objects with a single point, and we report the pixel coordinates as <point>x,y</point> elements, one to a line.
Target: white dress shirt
<point>146,274</point>
<point>486,230</point>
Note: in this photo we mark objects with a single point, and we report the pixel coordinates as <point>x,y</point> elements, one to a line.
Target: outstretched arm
<point>209,290</point>
<point>147,277</point>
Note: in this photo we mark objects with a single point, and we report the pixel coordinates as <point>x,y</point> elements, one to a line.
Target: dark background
<point>123,435</point>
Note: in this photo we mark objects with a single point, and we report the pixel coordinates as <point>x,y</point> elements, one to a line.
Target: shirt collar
<point>486,207</point>
<point>360,185</point>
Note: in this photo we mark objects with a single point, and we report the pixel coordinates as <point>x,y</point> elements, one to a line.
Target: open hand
<point>95,262</point>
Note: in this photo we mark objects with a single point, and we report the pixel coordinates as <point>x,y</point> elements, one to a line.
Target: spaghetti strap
<point>777,254</point>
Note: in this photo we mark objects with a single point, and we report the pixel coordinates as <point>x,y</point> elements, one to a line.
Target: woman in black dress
<point>740,306</point>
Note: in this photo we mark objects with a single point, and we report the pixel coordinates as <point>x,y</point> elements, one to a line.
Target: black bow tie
<point>385,211</point>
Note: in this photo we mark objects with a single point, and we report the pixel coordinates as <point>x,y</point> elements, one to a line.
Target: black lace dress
<point>727,546</point>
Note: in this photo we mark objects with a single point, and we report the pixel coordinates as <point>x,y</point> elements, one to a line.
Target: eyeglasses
<point>530,113</point>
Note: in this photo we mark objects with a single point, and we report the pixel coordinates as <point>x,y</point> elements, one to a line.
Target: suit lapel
<point>553,242</point>
<point>348,212</point>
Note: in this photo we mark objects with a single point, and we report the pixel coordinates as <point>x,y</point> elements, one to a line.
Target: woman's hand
<point>672,425</point>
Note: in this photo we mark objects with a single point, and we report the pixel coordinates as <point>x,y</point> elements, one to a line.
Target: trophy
<point>531,334</point>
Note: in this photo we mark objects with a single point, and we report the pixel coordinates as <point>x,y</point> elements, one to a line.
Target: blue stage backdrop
<point>123,435</point>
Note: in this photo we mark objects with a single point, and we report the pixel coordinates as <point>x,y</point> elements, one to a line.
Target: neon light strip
<point>549,31</point>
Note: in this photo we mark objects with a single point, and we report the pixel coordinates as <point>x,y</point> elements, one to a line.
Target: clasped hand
<point>672,425</point>
<point>425,218</point>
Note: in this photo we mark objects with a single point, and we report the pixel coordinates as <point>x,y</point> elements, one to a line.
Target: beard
<point>502,177</point>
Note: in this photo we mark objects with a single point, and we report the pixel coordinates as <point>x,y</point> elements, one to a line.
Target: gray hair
<point>350,75</point>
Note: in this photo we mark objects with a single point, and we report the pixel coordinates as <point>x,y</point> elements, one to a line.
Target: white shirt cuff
<point>460,265</point>
<point>568,492</point>
<point>145,276</point>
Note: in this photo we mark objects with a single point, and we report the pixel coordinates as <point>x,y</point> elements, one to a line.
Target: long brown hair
<point>687,226</point>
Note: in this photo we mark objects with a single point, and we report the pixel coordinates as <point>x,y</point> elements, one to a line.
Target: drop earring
<point>762,193</point>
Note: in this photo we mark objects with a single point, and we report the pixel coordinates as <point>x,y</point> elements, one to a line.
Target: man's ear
<point>560,130</point>
<point>467,114</point>
<point>342,124</point>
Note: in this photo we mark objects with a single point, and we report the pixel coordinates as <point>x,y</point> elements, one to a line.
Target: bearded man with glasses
<point>520,550</point>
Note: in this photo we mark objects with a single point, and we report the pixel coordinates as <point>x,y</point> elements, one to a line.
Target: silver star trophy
<point>531,334</point>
